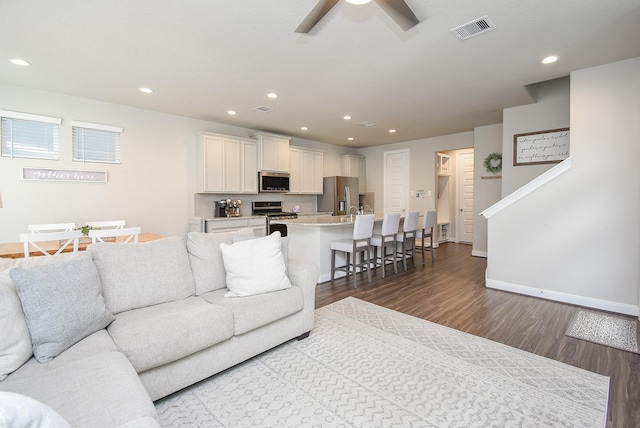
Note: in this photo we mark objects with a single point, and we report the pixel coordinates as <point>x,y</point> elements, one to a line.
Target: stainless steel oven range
<point>273,211</point>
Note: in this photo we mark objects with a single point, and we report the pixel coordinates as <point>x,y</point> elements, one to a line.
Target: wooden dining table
<point>15,250</point>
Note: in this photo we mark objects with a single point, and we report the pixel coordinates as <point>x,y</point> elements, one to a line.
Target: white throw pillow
<point>255,266</point>
<point>18,410</point>
<point>15,341</point>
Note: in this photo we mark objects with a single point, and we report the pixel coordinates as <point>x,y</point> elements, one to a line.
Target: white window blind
<point>25,135</point>
<point>95,143</point>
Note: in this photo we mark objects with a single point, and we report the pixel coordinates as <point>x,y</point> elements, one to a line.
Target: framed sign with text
<point>50,174</point>
<point>540,147</point>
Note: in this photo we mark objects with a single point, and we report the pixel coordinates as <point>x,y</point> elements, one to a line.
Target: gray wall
<point>551,111</point>
<point>153,187</point>
<point>577,238</point>
<point>486,191</point>
<point>422,166</point>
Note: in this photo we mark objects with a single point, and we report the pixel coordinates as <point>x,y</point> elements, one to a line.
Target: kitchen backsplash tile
<point>204,203</point>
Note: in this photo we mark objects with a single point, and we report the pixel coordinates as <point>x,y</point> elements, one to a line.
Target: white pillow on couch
<point>255,266</point>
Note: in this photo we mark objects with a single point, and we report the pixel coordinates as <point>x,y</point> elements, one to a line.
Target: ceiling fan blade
<point>400,12</point>
<point>315,15</point>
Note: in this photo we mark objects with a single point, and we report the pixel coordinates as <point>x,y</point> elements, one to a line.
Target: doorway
<point>396,181</point>
<point>454,195</point>
<point>464,190</point>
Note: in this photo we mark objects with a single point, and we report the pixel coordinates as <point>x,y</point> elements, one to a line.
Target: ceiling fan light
<point>358,1</point>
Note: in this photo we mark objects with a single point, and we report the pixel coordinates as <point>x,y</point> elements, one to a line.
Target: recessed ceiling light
<point>231,113</point>
<point>272,95</point>
<point>304,128</point>
<point>550,59</point>
<point>146,90</point>
<point>347,117</point>
<point>391,131</point>
<point>20,62</point>
<point>350,138</point>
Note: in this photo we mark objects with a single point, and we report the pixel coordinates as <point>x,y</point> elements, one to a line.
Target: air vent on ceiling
<point>473,28</point>
<point>262,109</point>
<point>366,123</point>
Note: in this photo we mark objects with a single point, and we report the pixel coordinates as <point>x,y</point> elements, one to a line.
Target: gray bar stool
<point>428,226</point>
<point>360,243</point>
<point>386,239</point>
<point>407,238</point>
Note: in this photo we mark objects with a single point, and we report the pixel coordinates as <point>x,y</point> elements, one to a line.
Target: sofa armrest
<point>305,276</point>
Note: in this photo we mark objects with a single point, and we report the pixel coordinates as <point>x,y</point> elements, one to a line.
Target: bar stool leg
<point>404,254</point>
<point>368,261</point>
<point>395,262</point>
<point>413,251</point>
<point>333,264</point>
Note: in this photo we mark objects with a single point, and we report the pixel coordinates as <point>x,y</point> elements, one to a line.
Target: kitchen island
<point>310,239</point>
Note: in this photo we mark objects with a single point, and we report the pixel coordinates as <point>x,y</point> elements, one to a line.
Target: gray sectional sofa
<point>95,337</point>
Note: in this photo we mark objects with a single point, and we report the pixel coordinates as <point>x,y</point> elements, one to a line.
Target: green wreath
<point>493,162</point>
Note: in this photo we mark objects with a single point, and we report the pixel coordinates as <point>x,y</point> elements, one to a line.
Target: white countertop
<point>244,217</point>
<point>322,221</point>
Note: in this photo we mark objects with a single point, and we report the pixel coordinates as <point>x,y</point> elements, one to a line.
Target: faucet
<point>357,211</point>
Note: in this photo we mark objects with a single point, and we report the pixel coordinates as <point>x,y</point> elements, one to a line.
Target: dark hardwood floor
<point>451,292</point>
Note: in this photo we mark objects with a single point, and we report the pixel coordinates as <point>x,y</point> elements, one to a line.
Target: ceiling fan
<point>398,10</point>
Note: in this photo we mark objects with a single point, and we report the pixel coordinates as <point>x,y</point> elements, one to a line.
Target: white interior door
<point>396,181</point>
<point>464,168</point>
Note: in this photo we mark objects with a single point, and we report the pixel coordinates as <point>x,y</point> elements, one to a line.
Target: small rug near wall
<point>609,330</point>
<point>368,366</point>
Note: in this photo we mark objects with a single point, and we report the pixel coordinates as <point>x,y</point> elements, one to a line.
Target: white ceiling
<point>204,57</point>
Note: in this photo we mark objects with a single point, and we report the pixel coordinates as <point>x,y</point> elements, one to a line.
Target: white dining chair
<point>66,238</point>
<point>111,224</point>
<point>428,226</point>
<point>407,238</point>
<point>51,227</point>
<point>98,235</point>
<point>386,239</point>
<point>359,243</point>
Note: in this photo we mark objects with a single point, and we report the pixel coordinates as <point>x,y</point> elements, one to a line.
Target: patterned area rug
<point>606,330</point>
<point>368,366</point>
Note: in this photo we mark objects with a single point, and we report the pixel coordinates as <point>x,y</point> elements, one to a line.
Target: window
<point>27,135</point>
<point>95,143</point>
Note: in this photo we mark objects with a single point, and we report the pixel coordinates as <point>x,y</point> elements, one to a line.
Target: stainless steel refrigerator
<point>340,195</point>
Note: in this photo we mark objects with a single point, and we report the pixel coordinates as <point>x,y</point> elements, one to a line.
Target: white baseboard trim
<point>477,253</point>
<point>589,302</point>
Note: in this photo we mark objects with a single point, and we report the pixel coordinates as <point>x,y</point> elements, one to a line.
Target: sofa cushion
<point>62,304</point>
<point>138,275</point>
<point>98,391</point>
<point>252,312</point>
<point>94,344</point>
<point>15,342</point>
<point>160,334</point>
<point>17,410</point>
<point>255,266</point>
<point>206,258</point>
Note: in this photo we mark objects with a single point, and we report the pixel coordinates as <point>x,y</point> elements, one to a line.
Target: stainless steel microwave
<point>274,182</point>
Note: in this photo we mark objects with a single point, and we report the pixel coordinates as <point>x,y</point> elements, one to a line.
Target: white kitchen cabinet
<point>258,224</point>
<point>249,159</point>
<point>226,164</point>
<point>295,171</point>
<point>355,166</point>
<point>273,152</point>
<point>306,169</point>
